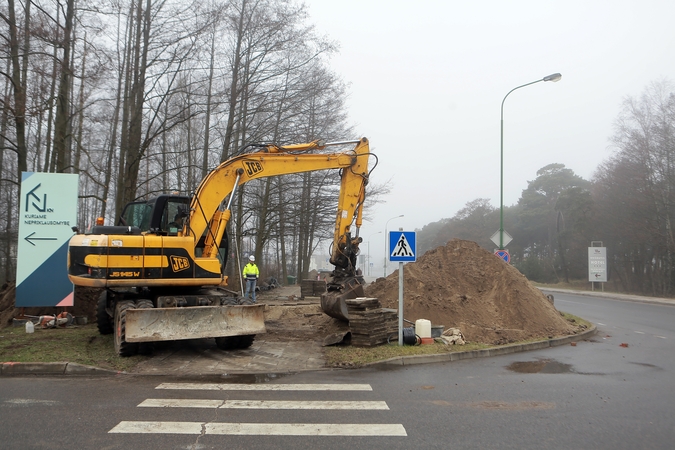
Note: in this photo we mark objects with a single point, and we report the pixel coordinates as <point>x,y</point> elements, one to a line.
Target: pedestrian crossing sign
<point>402,246</point>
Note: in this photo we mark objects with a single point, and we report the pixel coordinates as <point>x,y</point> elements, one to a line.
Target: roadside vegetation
<point>78,344</point>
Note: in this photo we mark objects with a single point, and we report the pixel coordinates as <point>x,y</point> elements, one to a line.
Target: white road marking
<point>599,323</point>
<point>262,404</point>
<point>639,332</point>
<point>257,429</point>
<point>266,387</point>
<point>660,337</point>
<point>31,401</point>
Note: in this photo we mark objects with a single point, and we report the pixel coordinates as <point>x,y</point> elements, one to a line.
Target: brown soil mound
<point>463,285</point>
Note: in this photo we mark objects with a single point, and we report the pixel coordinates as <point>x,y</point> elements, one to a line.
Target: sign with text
<point>48,211</point>
<point>597,264</point>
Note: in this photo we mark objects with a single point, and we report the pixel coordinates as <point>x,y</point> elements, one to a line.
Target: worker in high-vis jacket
<point>251,274</point>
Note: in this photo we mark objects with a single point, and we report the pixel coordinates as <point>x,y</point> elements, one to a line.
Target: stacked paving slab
<point>369,323</point>
<point>312,288</point>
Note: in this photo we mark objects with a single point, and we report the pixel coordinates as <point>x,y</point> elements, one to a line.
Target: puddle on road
<point>540,366</point>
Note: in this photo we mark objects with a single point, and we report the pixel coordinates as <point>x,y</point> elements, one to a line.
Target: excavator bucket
<point>168,324</point>
<point>333,302</point>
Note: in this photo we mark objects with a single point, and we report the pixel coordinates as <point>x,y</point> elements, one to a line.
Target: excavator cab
<point>163,214</point>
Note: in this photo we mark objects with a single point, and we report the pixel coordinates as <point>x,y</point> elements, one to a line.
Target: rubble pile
<point>464,286</point>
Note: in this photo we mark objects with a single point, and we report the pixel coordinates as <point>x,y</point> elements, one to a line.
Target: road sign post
<point>402,248</point>
<point>48,211</point>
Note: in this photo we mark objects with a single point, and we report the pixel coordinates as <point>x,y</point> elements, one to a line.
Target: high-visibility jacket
<point>251,271</point>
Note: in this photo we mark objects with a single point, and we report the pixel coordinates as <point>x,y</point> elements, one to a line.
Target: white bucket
<point>30,327</point>
<point>423,328</point>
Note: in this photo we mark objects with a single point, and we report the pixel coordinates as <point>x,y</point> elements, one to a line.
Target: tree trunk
<point>62,119</point>
<point>232,101</point>
<point>80,113</point>
<point>207,117</point>
<point>19,94</point>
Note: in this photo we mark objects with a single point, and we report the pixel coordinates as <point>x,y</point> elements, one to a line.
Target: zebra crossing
<point>262,429</point>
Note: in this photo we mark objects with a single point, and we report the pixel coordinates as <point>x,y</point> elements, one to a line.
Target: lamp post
<point>553,77</point>
<point>386,242</point>
<point>377,232</point>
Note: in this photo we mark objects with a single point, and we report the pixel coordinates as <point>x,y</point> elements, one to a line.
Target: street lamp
<point>386,242</point>
<point>368,242</point>
<point>553,77</point>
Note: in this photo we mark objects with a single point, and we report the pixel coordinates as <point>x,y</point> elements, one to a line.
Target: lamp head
<point>555,77</point>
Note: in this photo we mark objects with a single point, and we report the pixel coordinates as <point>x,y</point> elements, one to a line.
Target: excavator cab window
<point>164,214</point>
<point>174,215</point>
<point>136,214</point>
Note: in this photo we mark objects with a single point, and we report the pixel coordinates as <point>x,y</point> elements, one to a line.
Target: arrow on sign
<point>31,239</point>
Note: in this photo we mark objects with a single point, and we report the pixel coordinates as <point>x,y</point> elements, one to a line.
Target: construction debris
<point>369,323</point>
<point>312,288</point>
<point>453,336</point>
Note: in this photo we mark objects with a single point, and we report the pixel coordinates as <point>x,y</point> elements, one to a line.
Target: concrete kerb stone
<point>51,368</point>
<point>36,368</point>
<point>81,369</point>
<point>612,296</point>
<point>484,353</point>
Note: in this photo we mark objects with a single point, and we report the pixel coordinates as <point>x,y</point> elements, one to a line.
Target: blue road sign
<point>402,246</point>
<point>503,254</point>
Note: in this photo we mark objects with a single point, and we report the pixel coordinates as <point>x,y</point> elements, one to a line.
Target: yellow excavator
<point>162,265</point>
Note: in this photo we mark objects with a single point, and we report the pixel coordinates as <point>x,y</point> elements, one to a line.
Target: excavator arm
<point>209,215</point>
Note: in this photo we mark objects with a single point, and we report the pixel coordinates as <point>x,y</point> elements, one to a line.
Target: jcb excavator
<point>162,266</point>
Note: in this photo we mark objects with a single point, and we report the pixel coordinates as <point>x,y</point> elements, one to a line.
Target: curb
<point>52,368</point>
<point>65,368</point>
<point>485,353</point>
<point>613,296</point>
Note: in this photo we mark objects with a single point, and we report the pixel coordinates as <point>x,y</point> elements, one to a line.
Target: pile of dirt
<point>463,285</point>
<point>300,323</point>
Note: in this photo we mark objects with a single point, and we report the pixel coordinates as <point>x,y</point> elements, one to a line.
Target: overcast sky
<point>427,78</point>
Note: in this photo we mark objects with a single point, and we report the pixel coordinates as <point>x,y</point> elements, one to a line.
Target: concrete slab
<point>203,358</point>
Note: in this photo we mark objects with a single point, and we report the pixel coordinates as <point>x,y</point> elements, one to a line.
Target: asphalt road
<point>598,394</point>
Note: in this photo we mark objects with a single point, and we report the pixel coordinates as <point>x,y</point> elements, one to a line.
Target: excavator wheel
<point>145,348</point>
<point>122,347</point>
<point>103,320</point>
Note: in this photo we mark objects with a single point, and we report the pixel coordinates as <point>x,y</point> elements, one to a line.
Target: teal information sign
<point>48,211</point>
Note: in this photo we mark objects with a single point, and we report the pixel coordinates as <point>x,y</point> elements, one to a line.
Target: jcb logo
<point>179,263</point>
<point>253,167</point>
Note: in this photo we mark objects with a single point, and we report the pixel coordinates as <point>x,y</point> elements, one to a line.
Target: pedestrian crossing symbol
<point>402,246</point>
